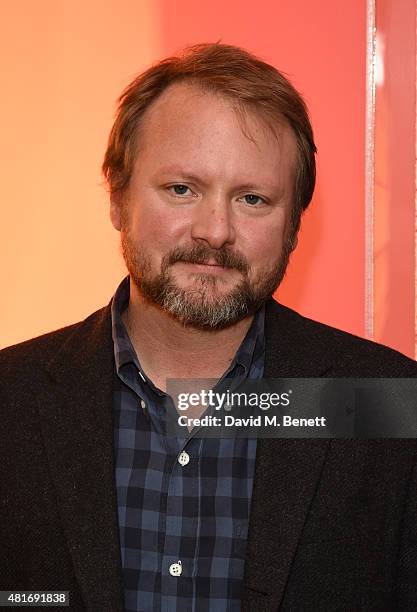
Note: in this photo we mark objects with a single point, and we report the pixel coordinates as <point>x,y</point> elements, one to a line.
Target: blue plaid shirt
<point>183,504</point>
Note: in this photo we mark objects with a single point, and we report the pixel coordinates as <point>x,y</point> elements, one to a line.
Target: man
<point>210,164</point>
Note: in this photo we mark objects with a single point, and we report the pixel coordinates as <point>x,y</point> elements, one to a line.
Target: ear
<point>115,208</point>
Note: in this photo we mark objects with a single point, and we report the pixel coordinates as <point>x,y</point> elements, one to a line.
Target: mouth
<point>210,267</point>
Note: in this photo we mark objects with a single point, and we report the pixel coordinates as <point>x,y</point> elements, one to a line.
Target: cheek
<point>159,229</point>
<point>263,246</point>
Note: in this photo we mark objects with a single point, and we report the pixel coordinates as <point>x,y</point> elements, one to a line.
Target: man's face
<point>205,220</point>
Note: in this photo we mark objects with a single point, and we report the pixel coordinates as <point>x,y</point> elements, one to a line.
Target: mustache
<point>201,254</point>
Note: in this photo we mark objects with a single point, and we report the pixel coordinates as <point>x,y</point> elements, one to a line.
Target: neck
<point>167,349</point>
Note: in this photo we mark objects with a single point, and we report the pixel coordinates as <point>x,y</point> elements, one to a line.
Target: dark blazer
<point>333,524</point>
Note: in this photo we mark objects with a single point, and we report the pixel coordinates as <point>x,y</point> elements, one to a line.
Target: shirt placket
<point>180,550</point>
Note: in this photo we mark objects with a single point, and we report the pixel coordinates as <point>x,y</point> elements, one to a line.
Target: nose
<point>213,222</point>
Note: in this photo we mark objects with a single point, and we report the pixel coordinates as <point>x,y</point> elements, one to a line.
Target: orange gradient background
<point>64,65</point>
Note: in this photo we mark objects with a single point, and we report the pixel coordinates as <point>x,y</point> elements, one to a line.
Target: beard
<point>203,306</point>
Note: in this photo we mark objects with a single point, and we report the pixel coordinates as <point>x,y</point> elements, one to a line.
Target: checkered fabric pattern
<point>183,503</point>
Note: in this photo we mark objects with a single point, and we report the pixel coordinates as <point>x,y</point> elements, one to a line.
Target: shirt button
<point>184,458</point>
<point>143,403</point>
<point>175,569</point>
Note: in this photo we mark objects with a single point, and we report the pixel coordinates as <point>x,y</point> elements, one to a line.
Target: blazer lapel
<point>287,471</point>
<point>77,422</point>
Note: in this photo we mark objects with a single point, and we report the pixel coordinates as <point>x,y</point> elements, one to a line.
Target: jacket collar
<point>294,344</point>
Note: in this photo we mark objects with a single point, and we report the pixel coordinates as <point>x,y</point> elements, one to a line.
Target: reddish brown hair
<point>229,71</point>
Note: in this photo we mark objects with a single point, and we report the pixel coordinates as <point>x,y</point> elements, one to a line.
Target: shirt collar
<point>123,349</point>
<point>252,346</point>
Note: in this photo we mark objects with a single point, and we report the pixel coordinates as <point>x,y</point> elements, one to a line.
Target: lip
<point>207,267</point>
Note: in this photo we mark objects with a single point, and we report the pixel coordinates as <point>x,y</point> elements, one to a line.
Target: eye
<point>179,189</point>
<point>252,199</point>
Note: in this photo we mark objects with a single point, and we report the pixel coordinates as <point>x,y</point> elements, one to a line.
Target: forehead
<point>199,125</point>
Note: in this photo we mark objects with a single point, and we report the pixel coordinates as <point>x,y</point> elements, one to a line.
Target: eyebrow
<point>182,173</point>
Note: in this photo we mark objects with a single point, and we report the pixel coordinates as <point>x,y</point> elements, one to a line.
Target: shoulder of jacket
<point>342,347</point>
<point>33,353</point>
